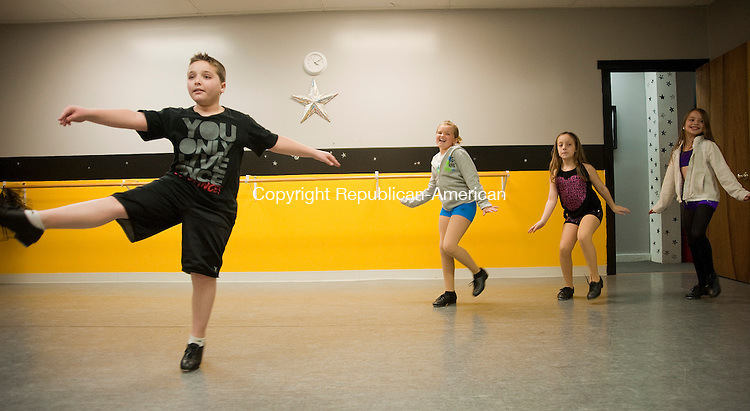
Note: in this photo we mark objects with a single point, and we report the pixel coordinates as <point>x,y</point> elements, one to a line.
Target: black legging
<point>695,222</point>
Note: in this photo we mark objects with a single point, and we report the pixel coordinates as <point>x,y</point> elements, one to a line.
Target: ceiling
<point>47,11</point>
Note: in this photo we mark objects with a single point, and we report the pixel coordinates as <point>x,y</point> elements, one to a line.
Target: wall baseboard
<point>295,276</point>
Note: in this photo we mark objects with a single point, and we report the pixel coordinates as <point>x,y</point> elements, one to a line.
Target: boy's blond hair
<point>216,64</point>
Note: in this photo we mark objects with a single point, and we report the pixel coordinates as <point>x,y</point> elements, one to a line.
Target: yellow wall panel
<point>312,232</point>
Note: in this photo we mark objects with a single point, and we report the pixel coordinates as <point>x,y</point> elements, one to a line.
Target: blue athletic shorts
<point>468,210</point>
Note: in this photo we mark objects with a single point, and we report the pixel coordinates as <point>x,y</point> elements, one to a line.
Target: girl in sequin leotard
<point>574,181</point>
<point>577,195</point>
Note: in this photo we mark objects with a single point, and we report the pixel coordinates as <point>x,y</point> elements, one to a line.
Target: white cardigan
<point>705,167</point>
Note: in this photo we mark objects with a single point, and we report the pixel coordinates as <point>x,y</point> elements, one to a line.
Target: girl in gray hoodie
<point>455,178</point>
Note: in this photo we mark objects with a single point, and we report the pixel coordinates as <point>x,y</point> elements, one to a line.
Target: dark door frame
<point>608,67</point>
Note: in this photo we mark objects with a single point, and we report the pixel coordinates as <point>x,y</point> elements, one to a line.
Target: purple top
<point>685,158</point>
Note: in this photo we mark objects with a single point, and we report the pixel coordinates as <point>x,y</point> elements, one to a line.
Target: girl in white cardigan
<point>691,176</point>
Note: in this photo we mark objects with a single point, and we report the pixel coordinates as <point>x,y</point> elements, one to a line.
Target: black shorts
<point>169,201</point>
<point>598,213</point>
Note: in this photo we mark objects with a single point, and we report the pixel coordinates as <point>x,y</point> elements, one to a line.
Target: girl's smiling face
<point>694,124</point>
<point>566,146</point>
<point>445,137</point>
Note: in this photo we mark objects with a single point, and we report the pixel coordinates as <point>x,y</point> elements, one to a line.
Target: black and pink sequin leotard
<point>577,196</point>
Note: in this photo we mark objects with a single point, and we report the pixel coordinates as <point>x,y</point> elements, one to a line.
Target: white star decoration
<point>314,102</point>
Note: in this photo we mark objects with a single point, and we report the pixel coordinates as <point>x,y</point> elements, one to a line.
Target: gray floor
<point>651,267</point>
<point>378,345</point>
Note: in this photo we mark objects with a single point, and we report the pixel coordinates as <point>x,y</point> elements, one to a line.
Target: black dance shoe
<point>15,220</point>
<point>697,292</point>
<point>595,289</point>
<point>566,293</point>
<point>713,288</point>
<point>192,358</point>
<point>478,283</point>
<point>448,298</point>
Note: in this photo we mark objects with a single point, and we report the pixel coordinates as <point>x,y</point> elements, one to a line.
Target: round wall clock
<point>314,63</point>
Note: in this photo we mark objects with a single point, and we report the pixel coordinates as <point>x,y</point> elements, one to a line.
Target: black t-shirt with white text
<point>208,151</point>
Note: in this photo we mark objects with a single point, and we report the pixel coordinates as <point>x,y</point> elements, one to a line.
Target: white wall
<point>507,77</point>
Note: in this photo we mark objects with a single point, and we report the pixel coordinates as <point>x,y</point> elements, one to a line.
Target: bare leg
<point>446,261</point>
<point>567,242</point>
<point>204,294</point>
<point>87,214</point>
<point>586,229</point>
<point>455,228</point>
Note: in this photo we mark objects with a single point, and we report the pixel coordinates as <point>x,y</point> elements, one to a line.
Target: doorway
<point>621,82</point>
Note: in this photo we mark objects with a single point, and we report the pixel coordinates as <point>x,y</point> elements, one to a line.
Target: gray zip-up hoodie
<point>456,178</point>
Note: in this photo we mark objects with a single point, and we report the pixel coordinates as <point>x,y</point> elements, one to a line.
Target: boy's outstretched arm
<point>119,118</point>
<point>290,147</point>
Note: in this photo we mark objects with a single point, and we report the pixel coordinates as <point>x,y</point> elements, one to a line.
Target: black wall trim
<point>650,65</point>
<point>353,160</point>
